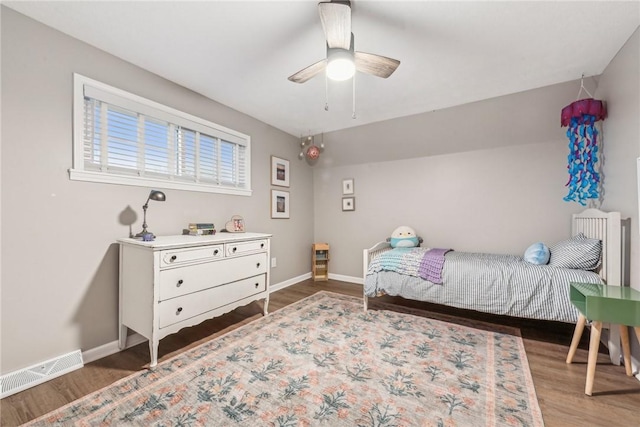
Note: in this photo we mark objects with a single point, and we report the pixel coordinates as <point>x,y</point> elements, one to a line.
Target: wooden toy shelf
<point>320,261</point>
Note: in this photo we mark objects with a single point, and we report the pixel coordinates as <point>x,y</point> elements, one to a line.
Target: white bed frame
<point>595,224</point>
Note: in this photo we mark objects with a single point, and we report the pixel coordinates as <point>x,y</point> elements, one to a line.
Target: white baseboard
<point>343,278</point>
<point>111,348</point>
<point>290,282</point>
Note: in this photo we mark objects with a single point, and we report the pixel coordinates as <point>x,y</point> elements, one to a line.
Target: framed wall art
<point>279,172</point>
<point>279,204</point>
<point>348,203</point>
<point>347,186</point>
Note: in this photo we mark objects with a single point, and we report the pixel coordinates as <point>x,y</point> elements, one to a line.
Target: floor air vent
<point>42,372</point>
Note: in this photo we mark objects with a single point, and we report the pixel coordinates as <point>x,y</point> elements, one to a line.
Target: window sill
<point>82,175</point>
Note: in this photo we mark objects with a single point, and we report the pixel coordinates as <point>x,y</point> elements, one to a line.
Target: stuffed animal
<point>404,237</point>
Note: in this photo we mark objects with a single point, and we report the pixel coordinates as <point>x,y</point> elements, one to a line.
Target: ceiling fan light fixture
<point>340,64</point>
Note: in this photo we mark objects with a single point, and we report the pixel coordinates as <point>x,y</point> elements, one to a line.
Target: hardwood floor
<point>559,387</point>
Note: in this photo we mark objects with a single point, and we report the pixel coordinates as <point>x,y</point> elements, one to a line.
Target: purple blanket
<point>431,266</point>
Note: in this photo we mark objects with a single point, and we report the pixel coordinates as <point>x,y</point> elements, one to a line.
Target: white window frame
<point>136,103</point>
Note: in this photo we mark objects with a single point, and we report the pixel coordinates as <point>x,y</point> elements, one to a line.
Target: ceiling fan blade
<point>308,72</point>
<point>336,23</point>
<point>376,65</point>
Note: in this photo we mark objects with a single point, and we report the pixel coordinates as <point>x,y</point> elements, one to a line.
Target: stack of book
<point>201,228</point>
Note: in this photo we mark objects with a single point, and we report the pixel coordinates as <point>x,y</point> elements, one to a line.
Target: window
<point>122,138</point>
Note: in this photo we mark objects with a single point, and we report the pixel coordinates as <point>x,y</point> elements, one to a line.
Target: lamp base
<point>146,236</point>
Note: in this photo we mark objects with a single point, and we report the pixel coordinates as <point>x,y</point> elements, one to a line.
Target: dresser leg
<point>577,334</point>
<point>594,344</point>
<point>122,337</point>
<point>266,306</point>
<point>624,338</point>
<point>153,351</point>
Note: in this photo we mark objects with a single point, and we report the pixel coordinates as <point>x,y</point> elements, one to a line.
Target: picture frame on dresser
<point>279,172</point>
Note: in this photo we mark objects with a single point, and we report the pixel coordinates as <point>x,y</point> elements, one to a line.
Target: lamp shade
<point>157,196</point>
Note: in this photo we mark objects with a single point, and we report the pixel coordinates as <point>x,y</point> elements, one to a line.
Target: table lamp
<point>159,197</point>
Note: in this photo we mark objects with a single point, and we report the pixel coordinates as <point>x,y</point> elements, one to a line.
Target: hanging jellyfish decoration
<point>584,179</point>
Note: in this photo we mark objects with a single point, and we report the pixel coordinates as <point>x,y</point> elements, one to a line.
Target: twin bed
<point>503,284</point>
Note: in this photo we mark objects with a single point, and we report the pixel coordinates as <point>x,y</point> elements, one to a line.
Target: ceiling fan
<point>342,61</point>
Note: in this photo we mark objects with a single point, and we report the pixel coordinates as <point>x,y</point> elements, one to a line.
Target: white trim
<point>78,122</point>
<point>104,90</point>
<point>343,278</point>
<point>134,180</point>
<point>85,86</point>
<point>290,282</point>
<point>110,348</point>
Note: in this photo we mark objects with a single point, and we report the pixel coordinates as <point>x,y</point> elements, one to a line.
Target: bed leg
<point>365,300</point>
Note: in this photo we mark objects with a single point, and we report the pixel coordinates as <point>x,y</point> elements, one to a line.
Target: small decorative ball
<point>313,152</point>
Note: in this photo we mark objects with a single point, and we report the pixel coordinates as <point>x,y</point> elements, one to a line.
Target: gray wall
<point>498,199</point>
<point>620,87</point>
<point>59,259</point>
<point>487,176</point>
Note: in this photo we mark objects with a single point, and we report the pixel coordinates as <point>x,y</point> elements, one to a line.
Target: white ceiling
<point>240,53</point>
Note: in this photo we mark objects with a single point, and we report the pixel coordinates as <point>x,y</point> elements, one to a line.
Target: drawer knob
<point>173,258</point>
<point>257,285</point>
<point>258,265</point>
<point>261,245</point>
<point>234,249</point>
<point>179,310</point>
<point>216,252</point>
<point>180,282</point>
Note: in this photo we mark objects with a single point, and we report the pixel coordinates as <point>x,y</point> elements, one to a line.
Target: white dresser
<point>179,281</point>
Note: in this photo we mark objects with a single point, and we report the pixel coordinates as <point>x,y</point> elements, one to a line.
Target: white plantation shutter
<point>127,139</point>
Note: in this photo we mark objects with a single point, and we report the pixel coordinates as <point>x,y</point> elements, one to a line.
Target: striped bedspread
<point>491,283</point>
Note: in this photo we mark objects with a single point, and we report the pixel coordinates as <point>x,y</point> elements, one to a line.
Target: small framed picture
<point>347,186</point>
<point>238,223</point>
<point>348,203</point>
<point>279,172</point>
<point>279,204</point>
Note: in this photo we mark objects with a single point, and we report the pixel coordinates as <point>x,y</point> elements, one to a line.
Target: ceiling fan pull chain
<point>326,93</point>
<point>353,83</point>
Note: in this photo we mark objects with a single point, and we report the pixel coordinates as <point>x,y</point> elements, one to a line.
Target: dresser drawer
<point>240,248</point>
<point>187,306</point>
<point>184,280</point>
<point>183,256</point>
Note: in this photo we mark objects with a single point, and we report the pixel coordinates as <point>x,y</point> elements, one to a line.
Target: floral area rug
<point>323,361</point>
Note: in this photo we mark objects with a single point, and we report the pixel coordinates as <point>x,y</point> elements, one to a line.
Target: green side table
<point>602,303</point>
